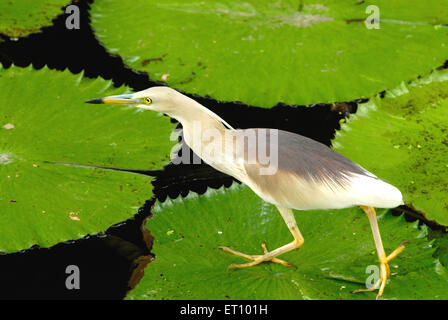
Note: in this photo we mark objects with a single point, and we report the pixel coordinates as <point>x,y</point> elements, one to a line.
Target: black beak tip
<point>95,101</point>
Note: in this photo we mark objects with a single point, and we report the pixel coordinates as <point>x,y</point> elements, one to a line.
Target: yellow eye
<point>147,100</point>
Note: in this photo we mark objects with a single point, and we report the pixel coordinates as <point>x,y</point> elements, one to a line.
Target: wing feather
<point>311,175</point>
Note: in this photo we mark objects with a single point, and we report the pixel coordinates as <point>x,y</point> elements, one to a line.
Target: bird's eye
<point>148,100</point>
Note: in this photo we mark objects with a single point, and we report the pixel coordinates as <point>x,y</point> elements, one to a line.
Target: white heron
<point>309,175</point>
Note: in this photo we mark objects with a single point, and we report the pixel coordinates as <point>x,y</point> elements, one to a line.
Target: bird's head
<point>165,100</point>
<point>160,99</point>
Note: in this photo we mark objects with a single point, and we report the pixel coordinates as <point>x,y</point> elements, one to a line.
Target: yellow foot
<point>384,272</point>
<point>257,259</point>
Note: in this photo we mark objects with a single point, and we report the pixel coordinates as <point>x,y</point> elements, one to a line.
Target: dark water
<point>109,263</point>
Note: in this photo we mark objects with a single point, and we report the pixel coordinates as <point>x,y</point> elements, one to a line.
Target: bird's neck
<point>201,125</point>
<point>202,129</point>
<point>206,134</point>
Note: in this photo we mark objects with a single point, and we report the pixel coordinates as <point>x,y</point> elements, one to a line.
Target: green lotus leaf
<point>403,139</point>
<point>20,18</point>
<point>45,123</point>
<point>333,261</point>
<point>264,52</point>
<point>441,241</point>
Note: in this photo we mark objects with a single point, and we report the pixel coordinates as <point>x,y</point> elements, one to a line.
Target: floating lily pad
<point>338,250</point>
<point>403,139</point>
<point>44,122</point>
<point>20,18</point>
<point>264,52</point>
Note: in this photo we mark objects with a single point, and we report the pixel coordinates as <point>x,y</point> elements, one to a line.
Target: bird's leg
<point>271,256</point>
<point>384,260</point>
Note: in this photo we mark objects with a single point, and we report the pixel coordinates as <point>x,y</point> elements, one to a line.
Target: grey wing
<point>315,161</point>
<point>309,174</point>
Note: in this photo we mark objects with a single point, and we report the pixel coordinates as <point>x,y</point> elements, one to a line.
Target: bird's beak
<point>120,99</point>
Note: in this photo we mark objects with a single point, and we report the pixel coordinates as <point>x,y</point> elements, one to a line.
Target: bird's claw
<point>256,259</point>
<point>384,272</point>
